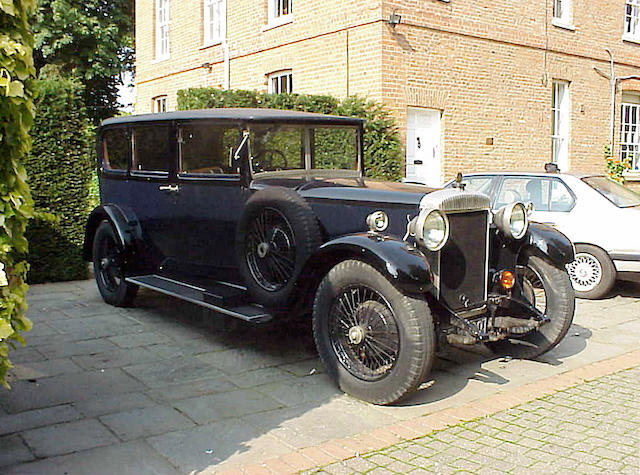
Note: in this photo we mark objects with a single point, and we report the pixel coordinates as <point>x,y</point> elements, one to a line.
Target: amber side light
<point>507,279</point>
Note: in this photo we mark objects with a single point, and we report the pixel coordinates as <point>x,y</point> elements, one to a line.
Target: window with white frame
<point>215,21</point>
<point>280,11</point>
<point>630,135</point>
<point>560,125</point>
<point>280,82</point>
<point>632,20</point>
<point>160,104</point>
<point>162,29</point>
<point>562,12</point>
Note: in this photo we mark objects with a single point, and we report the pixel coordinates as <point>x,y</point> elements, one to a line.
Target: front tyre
<point>375,342</point>
<point>548,288</point>
<point>107,268</point>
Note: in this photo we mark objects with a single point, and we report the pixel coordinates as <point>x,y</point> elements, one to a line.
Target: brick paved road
<point>590,428</point>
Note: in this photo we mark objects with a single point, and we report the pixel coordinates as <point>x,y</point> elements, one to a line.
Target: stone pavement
<point>167,387</point>
<point>592,427</point>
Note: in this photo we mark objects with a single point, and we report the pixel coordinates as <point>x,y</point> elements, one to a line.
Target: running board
<point>221,298</point>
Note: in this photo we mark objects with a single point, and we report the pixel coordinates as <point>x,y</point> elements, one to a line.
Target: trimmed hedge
<point>382,151</point>
<point>16,206</point>
<point>60,173</point>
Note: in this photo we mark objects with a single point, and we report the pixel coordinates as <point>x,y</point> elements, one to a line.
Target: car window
<point>151,148</point>
<point>525,189</point>
<point>334,148</point>
<point>480,184</point>
<point>561,198</point>
<point>116,147</point>
<point>614,192</point>
<point>207,149</point>
<point>276,148</point>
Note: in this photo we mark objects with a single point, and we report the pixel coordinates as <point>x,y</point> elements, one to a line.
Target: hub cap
<point>363,333</point>
<point>585,272</point>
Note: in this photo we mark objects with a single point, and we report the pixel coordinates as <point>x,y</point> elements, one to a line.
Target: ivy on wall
<point>16,206</point>
<point>382,151</point>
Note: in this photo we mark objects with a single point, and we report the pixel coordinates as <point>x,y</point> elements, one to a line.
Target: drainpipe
<point>614,82</point>
<point>226,81</point>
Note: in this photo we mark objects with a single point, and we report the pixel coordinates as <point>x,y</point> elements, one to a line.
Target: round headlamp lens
<point>435,230</point>
<point>518,221</point>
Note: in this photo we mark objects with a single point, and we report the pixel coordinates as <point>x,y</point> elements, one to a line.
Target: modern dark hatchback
<point>264,214</point>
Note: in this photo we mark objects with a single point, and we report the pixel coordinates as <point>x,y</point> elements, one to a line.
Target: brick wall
<point>488,65</point>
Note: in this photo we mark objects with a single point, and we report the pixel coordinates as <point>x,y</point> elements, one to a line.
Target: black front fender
<point>126,229</point>
<point>550,242</point>
<point>405,266</point>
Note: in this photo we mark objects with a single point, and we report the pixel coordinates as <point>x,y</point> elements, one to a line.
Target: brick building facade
<point>473,84</point>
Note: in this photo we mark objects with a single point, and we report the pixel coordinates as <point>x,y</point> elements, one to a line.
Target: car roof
<point>533,173</point>
<point>238,114</point>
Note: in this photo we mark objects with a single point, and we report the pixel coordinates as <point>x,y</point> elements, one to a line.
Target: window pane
<point>152,148</point>
<point>208,149</point>
<point>529,189</point>
<point>561,199</point>
<point>116,148</point>
<point>277,148</point>
<point>478,184</point>
<point>614,192</point>
<point>335,148</point>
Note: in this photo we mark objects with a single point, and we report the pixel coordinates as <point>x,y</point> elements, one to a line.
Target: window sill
<point>561,24</point>
<point>631,39</point>
<point>631,176</point>
<point>211,44</point>
<point>276,22</point>
<point>160,60</point>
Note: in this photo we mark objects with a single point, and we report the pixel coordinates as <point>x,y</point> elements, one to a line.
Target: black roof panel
<point>238,114</point>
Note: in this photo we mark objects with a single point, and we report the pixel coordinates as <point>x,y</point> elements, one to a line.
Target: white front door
<point>424,161</point>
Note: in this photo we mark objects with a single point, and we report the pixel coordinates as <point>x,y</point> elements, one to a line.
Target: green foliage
<point>60,174</point>
<point>382,152</point>
<point>16,206</point>
<point>88,39</point>
<point>615,168</point>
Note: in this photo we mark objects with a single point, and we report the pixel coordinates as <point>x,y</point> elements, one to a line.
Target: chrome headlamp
<point>512,220</point>
<point>431,229</point>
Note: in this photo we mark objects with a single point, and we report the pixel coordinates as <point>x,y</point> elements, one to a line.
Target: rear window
<point>151,148</point>
<point>116,147</point>
<point>619,195</point>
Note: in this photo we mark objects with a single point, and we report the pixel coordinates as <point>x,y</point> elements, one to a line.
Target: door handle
<point>417,162</point>
<point>169,188</point>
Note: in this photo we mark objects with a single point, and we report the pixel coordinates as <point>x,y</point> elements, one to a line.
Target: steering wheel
<point>264,159</point>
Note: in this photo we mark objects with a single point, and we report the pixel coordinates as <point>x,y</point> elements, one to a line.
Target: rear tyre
<point>547,288</point>
<point>592,272</point>
<point>108,268</point>
<point>375,342</point>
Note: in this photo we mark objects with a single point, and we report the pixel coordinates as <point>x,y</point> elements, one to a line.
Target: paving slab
<point>69,437</point>
<point>145,422</point>
<point>229,442</point>
<point>130,458</point>
<point>44,369</point>
<point>227,405</point>
<point>114,358</point>
<point>11,423</point>
<point>193,389</point>
<point>258,377</point>
<point>180,370</point>
<point>64,346</point>
<point>66,388</point>
<point>302,390</point>
<point>13,451</point>
<point>111,404</point>
<point>139,339</point>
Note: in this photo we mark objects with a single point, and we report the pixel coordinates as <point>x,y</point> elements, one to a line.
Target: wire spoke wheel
<point>364,333</point>
<point>533,288</point>
<point>271,250</point>
<point>585,272</point>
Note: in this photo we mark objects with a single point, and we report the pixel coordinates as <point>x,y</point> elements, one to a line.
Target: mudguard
<point>550,242</point>
<point>405,266</point>
<point>127,229</point>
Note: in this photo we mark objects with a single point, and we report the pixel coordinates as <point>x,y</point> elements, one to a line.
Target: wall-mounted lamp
<point>395,19</point>
<point>206,66</point>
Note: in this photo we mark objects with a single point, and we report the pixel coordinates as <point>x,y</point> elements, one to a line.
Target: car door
<point>552,200</point>
<point>151,193</point>
<point>211,196</point>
